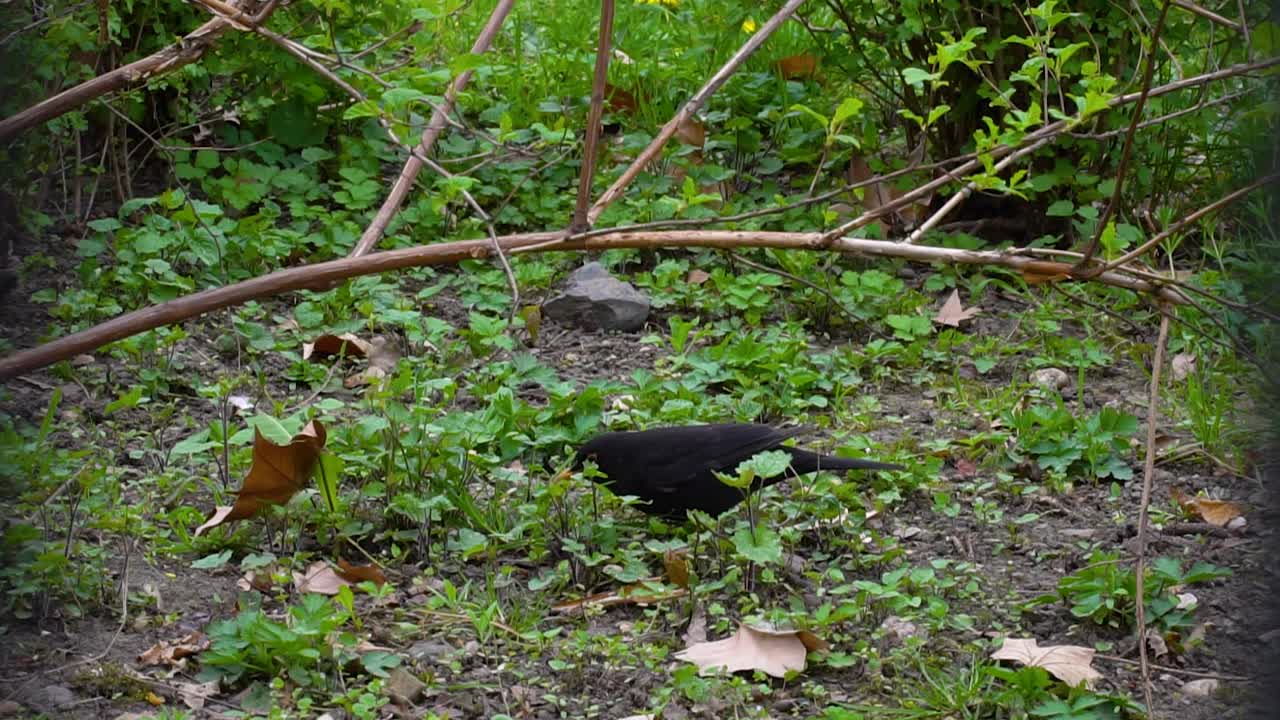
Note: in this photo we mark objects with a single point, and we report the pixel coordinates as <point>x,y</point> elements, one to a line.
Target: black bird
<point>674,468</point>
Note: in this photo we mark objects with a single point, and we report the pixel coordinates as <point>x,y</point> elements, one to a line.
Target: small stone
<point>57,695</point>
<point>595,300</point>
<point>430,650</point>
<point>898,628</point>
<point>1204,687</point>
<point>1237,524</point>
<point>1051,378</point>
<point>403,687</point>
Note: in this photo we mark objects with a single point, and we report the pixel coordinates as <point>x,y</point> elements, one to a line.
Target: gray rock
<point>595,300</point>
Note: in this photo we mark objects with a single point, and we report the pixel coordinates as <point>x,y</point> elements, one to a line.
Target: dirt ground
<point>87,668</point>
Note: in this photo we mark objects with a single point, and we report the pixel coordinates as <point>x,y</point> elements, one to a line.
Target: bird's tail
<point>805,461</point>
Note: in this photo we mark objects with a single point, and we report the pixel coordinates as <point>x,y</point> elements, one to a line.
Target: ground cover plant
<point>320,461</point>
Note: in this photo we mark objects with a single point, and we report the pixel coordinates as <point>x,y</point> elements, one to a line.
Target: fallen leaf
<point>356,574</point>
<point>320,577</point>
<point>172,653</point>
<point>1182,365</point>
<point>346,344</point>
<point>1214,512</point>
<point>697,277</point>
<point>259,580</point>
<point>952,313</point>
<point>1071,664</point>
<point>677,566</point>
<point>1037,276</point>
<point>194,695</point>
<point>691,131</point>
<point>383,357</point>
<point>220,513</point>
<point>874,194</point>
<point>793,67</point>
<point>619,100</point>
<point>773,652</point>
<point>277,473</point>
<point>697,630</point>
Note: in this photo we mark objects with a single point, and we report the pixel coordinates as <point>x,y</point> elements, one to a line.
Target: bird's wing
<point>690,452</point>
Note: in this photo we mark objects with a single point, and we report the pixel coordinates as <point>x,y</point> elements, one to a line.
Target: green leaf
<point>327,472</point>
<point>767,464</point>
<point>379,661</point>
<point>295,123</point>
<point>764,547</point>
<point>917,77</point>
<point>850,107</point>
<point>212,562</point>
<point>1061,208</point>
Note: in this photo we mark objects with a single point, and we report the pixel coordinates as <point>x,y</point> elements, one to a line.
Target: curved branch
<point>190,48</point>
<point>325,273</point>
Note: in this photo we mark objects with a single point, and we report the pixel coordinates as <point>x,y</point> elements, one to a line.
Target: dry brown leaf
<point>320,577</point>
<point>1071,664</point>
<point>220,513</point>
<point>874,195</point>
<point>171,653</point>
<point>278,472</point>
<point>345,344</point>
<point>383,357</point>
<point>194,695</point>
<point>1182,365</point>
<point>773,652</point>
<point>677,565</point>
<point>1033,276</point>
<point>793,67</point>
<point>965,467</point>
<point>1214,512</point>
<point>952,313</point>
<point>619,100</point>
<point>697,630</point>
<point>697,277</point>
<point>691,131</point>
<point>259,580</point>
<point>356,574</point>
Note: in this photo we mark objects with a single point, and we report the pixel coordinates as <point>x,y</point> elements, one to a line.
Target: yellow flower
<point>668,3</point>
<point>748,26</point>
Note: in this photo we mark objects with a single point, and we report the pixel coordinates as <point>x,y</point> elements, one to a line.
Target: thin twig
<point>603,51</point>
<point>1148,473</point>
<point>1177,671</point>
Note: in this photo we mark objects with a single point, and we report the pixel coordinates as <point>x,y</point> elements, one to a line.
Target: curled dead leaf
<point>1182,365</point>
<point>345,344</point>
<point>676,563</point>
<point>277,474</point>
<point>1214,512</point>
<point>356,574</point>
<point>171,653</point>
